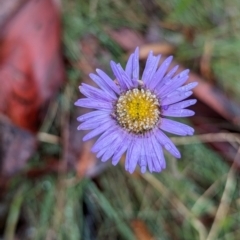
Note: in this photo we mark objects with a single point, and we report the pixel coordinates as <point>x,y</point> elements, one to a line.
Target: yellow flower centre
<point>137,110</point>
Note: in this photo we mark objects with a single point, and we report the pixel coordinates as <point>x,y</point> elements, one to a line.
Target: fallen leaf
<point>31,67</point>
<point>158,48</point>
<point>127,38</point>
<point>8,9</point>
<point>205,62</point>
<point>141,231</point>
<point>31,70</point>
<point>16,146</point>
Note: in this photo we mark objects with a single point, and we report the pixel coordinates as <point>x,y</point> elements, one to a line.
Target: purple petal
<point>94,123</point>
<point>98,118</point>
<point>118,75</point>
<point>95,93</point>
<point>177,112</point>
<point>170,74</point>
<point>135,70</point>
<point>143,166</point>
<point>150,68</point>
<point>182,104</point>
<point>176,97</point>
<point>158,76</point>
<point>113,128</point>
<point>107,141</point>
<point>167,143</point>
<point>129,66</point>
<point>143,157</point>
<point>103,84</point>
<point>173,84</point>
<point>133,154</point>
<point>101,152</point>
<point>92,115</point>
<point>156,165</point>
<point>167,77</point>
<point>125,76</point>
<point>158,153</point>
<point>98,131</point>
<point>111,150</point>
<point>121,149</point>
<point>175,127</point>
<point>150,155</point>
<point>108,81</point>
<point>188,87</point>
<point>89,103</point>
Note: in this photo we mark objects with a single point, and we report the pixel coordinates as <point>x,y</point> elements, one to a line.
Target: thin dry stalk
<point>178,205</point>
<point>225,200</point>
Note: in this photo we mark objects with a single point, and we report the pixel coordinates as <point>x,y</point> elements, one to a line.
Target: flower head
<point>130,112</point>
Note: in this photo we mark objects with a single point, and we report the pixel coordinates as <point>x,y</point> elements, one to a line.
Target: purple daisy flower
<point>130,113</point>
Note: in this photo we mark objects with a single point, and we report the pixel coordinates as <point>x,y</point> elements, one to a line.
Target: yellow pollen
<point>137,110</point>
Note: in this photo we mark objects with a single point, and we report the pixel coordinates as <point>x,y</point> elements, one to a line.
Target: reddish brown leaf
<point>127,38</point>
<point>31,71</point>
<point>31,68</point>
<point>141,231</point>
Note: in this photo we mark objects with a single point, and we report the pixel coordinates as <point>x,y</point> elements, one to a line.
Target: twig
<point>48,138</point>
<point>207,193</point>
<point>209,137</point>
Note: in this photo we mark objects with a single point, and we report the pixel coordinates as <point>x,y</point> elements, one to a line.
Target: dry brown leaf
<point>16,146</point>
<point>141,231</point>
<point>157,48</point>
<point>205,62</point>
<point>127,38</point>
